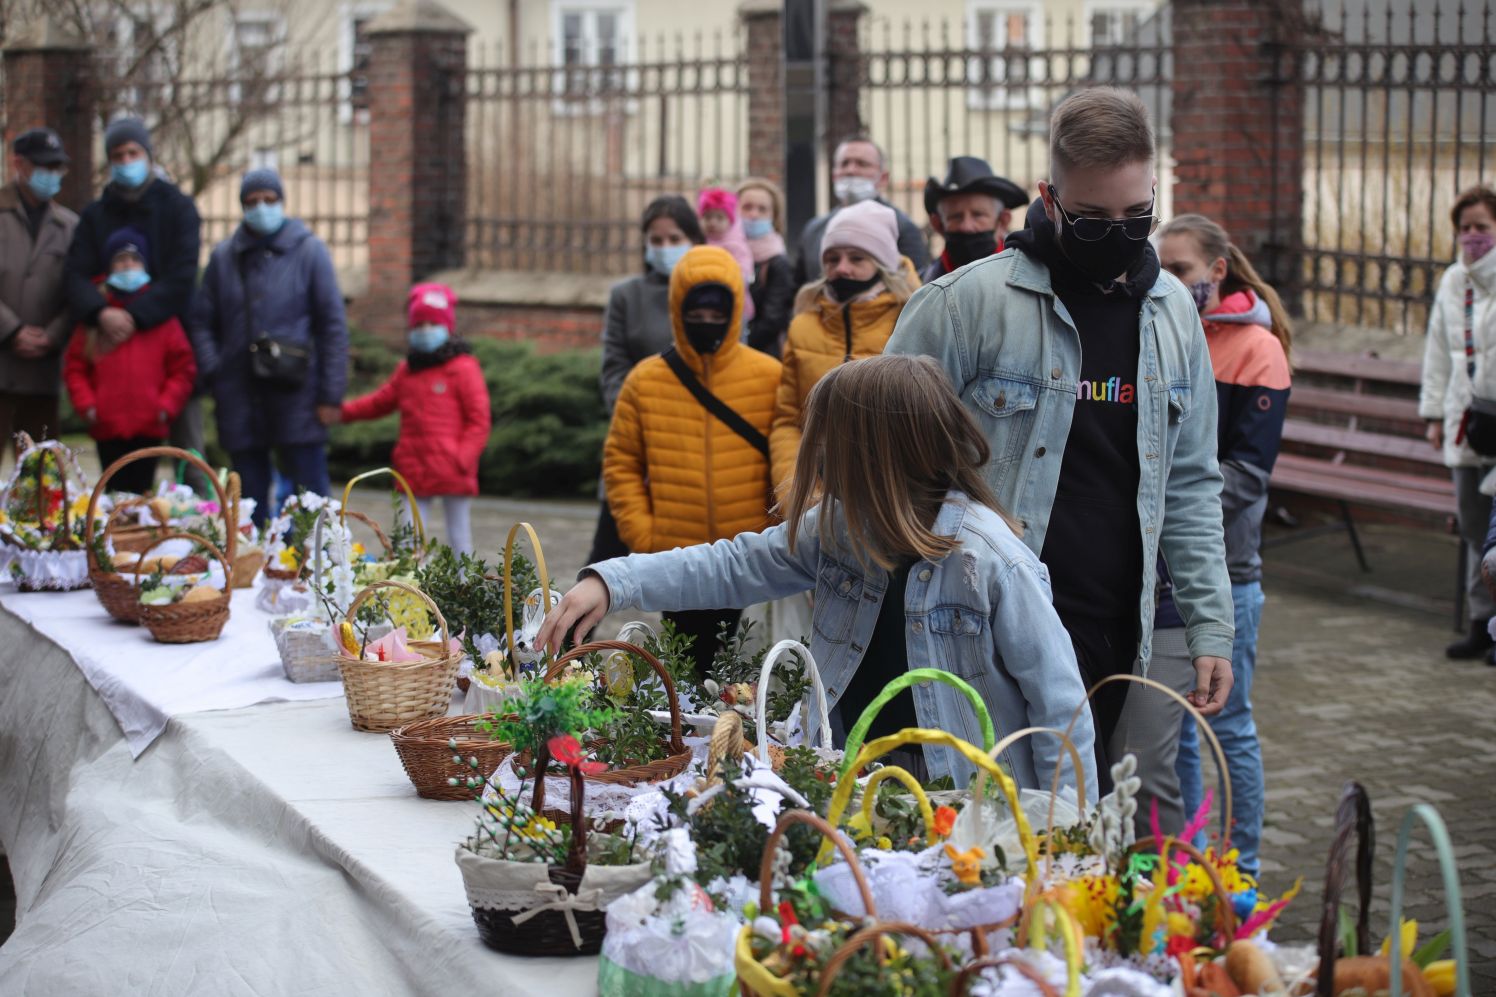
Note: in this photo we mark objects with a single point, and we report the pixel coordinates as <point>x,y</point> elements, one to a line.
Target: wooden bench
<point>1360,442</point>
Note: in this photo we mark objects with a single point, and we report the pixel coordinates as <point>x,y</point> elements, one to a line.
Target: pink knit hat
<point>431,304</point>
<point>868,226</point>
<point>717,199</point>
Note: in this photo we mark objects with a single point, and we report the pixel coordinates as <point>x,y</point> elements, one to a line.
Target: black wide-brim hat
<point>970,175</point>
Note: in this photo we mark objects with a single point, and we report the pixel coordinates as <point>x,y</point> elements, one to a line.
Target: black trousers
<point>1104,647</point>
<point>606,543</point>
<point>139,477</point>
<point>704,625</point>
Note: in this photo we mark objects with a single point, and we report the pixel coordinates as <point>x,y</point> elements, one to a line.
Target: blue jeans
<point>1237,732</point>
<point>305,466</point>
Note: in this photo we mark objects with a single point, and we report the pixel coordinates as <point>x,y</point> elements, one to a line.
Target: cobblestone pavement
<point>1352,683</point>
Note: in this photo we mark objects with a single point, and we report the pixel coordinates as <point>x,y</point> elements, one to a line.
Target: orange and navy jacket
<point>1252,384</point>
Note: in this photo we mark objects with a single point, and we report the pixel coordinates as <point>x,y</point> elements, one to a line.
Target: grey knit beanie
<point>261,179</point>
<point>127,130</point>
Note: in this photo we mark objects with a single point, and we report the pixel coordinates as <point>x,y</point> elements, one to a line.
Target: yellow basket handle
<point>410,496</point>
<point>876,749</point>
<point>545,586</point>
<point>904,776</point>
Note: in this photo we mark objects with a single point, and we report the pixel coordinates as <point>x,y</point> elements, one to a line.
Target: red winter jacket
<point>129,386</point>
<point>444,423</point>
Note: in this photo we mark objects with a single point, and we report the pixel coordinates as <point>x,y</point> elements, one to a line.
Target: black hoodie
<point>1093,547</point>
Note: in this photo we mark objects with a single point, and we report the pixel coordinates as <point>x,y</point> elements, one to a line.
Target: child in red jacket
<point>444,417</point>
<point>129,393</point>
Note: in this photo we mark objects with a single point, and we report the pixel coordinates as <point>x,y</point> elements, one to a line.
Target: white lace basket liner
<point>605,801</point>
<point>50,570</point>
<point>525,888</point>
<point>308,648</point>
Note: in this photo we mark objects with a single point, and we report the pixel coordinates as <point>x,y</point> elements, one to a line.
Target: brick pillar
<point>1238,127</point>
<point>762,24</point>
<point>417,144</point>
<point>47,84</point>
<point>843,71</point>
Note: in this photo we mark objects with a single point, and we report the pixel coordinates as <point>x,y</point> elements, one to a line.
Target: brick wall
<point>551,330</point>
<point>46,84</point>
<point>843,69</point>
<point>765,92</point>
<point>417,194</point>
<point>1238,121</point>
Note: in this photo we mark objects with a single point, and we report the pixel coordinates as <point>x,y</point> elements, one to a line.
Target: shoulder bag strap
<point>715,405</point>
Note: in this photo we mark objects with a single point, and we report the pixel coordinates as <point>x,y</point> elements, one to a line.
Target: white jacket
<point>1446,385</point>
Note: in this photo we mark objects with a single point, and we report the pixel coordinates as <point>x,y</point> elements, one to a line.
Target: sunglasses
<point>1136,227</point>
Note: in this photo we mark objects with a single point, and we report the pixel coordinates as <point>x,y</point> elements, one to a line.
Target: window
<point>997,29</point>
<point>1110,24</point>
<point>354,50</point>
<point>257,56</point>
<point>144,83</point>
<point>590,47</point>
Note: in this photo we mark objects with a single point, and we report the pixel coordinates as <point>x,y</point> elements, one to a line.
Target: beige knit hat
<point>869,226</point>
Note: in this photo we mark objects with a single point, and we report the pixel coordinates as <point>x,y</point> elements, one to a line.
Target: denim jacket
<point>982,613</point>
<point>1011,350</point>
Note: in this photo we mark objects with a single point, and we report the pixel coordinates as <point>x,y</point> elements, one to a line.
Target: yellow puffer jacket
<point>675,474</point>
<point>819,339</point>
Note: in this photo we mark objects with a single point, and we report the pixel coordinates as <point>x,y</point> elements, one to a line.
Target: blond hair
<point>776,197</point>
<point>885,438</point>
<point>1215,244</point>
<point>896,283</point>
<point>1099,127</point>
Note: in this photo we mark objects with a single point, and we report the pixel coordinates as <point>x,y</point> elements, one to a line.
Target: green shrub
<point>549,421</point>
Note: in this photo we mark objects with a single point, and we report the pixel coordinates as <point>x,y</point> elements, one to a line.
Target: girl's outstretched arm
<point>750,568</point>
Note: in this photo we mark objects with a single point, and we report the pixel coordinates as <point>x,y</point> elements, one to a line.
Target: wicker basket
<point>385,695</point>
<point>119,595</point>
<point>381,569</point>
<point>425,750</point>
<point>677,755</point>
<point>188,622</point>
<point>61,566</point>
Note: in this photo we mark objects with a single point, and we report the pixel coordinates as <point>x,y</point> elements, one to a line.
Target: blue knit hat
<point>127,130</point>
<point>258,180</point>
<point>127,240</point>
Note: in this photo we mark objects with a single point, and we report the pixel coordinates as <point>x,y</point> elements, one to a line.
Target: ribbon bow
<point>565,902</point>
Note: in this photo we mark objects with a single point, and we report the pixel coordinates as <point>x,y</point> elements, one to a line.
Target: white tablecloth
<point>263,850</point>
<point>145,683</point>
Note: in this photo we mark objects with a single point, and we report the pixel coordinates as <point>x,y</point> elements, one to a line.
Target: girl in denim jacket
<point>912,562</point>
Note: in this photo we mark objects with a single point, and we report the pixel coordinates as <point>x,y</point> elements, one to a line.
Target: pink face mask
<point>1476,244</point>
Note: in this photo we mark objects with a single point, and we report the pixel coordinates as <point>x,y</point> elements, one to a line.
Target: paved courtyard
<point>1352,684</point>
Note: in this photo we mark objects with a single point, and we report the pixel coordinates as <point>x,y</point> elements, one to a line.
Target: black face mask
<point>706,337</point>
<point>965,247</point>
<point>1101,262</point>
<point>846,288</point>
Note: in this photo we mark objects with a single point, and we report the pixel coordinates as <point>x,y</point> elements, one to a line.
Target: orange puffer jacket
<point>820,338</point>
<point>675,474</point>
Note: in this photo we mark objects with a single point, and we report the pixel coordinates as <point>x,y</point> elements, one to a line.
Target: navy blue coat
<point>168,219</point>
<point>293,296</point>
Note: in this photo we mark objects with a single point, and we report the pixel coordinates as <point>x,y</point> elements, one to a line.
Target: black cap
<point>41,146</point>
<point>710,295</point>
<point>970,175</point>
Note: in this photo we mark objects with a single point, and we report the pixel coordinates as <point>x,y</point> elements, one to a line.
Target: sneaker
<point>1473,645</point>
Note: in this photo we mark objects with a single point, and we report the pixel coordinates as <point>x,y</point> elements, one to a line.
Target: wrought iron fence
<point>986,86</point>
<point>1399,118</point>
<point>304,123</point>
<point>563,156</point>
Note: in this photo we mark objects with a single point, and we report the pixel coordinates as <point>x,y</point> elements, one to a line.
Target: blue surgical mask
<point>132,174</point>
<point>662,259</point>
<point>128,281</point>
<point>45,183</point>
<point>265,219</point>
<point>427,338</point>
<point>757,228</point>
